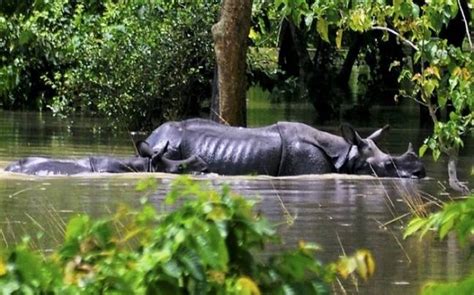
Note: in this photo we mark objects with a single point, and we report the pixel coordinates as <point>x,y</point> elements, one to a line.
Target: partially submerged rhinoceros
<point>284,148</point>
<point>147,162</point>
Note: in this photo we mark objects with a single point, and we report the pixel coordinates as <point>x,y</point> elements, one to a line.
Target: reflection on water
<point>337,211</point>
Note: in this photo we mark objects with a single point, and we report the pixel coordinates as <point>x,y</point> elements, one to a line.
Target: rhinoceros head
<point>366,158</point>
<point>160,163</point>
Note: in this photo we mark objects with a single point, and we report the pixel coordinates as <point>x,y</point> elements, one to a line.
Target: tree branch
<point>465,25</point>
<point>396,34</point>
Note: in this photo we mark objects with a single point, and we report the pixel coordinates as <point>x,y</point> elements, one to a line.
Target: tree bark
<point>454,182</point>
<point>351,57</point>
<point>288,60</point>
<point>230,44</point>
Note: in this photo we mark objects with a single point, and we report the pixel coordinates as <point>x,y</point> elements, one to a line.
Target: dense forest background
<point>144,62</point>
<point>136,62</point>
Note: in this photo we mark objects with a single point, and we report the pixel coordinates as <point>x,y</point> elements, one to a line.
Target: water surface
<point>340,212</point>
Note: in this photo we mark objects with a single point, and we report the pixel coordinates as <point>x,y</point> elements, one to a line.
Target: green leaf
<point>9,287</point>
<point>413,226</point>
<point>193,265</point>
<point>422,150</point>
<point>25,37</point>
<point>322,28</point>
<point>429,86</point>
<point>247,286</point>
<point>172,269</point>
<point>436,154</point>
<point>29,265</point>
<point>446,227</point>
<point>77,226</point>
<point>339,38</point>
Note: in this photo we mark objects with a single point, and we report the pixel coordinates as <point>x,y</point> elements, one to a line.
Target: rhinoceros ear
<point>143,148</point>
<point>377,135</point>
<point>163,150</point>
<point>350,135</point>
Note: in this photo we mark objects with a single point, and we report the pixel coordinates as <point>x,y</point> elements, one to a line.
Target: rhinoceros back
<point>226,150</point>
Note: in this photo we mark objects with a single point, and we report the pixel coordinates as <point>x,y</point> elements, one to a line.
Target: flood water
<point>340,212</point>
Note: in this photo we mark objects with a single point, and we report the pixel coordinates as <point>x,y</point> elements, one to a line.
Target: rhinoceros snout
<point>14,167</point>
<point>420,173</point>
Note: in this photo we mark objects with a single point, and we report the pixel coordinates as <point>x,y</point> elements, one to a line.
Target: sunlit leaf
<point>442,99</point>
<point>339,34</point>
<point>76,226</point>
<point>422,150</point>
<point>433,70</point>
<point>322,28</point>
<point>217,213</point>
<point>413,226</point>
<point>447,225</point>
<point>247,286</point>
<point>3,268</point>
<point>361,262</point>
<point>11,287</point>
<point>436,154</point>
<point>365,264</point>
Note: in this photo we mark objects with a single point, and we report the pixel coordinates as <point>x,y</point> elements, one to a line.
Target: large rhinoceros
<point>285,148</point>
<point>148,161</point>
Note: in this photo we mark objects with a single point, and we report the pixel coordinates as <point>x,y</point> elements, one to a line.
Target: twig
<point>396,240</point>
<point>221,118</point>
<point>341,286</point>
<point>5,241</point>
<point>396,34</point>
<point>384,225</point>
<point>290,220</point>
<point>35,222</point>
<point>465,25</point>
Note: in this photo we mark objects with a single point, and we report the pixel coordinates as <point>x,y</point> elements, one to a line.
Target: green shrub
<point>136,62</point>
<point>454,217</point>
<point>210,244</point>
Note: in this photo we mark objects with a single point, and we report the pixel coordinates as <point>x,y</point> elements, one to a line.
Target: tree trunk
<point>287,54</point>
<point>351,57</point>
<point>230,44</point>
<point>454,182</point>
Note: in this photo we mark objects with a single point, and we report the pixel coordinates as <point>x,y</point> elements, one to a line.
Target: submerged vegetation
<point>210,243</point>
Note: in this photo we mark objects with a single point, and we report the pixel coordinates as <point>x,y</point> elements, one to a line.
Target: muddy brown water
<point>340,212</point>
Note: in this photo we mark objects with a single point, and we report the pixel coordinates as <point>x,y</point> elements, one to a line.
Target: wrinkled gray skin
<point>284,148</point>
<point>146,162</point>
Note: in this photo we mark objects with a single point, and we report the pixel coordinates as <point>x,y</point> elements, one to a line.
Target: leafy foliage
<point>208,245</point>
<point>137,62</point>
<point>457,218</point>
<point>434,71</point>
<point>465,286</point>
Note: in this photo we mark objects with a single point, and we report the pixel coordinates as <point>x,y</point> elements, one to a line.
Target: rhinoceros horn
<point>377,135</point>
<point>410,149</point>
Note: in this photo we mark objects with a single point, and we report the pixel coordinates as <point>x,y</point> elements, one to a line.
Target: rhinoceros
<point>148,161</point>
<point>281,149</point>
